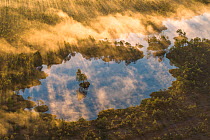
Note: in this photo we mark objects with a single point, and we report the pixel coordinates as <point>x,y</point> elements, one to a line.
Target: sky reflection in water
<point>112,85</point>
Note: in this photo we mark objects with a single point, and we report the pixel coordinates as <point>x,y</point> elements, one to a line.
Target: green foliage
<point>13,102</point>
<point>37,59</point>
<point>91,135</point>
<point>204,1</point>
<point>42,108</point>
<point>19,71</point>
<point>11,25</point>
<point>84,85</point>
<point>193,64</point>
<point>181,112</point>
<point>106,51</point>
<point>158,43</point>
<point>30,104</point>
<point>20,17</point>
<point>81,77</point>
<point>102,123</point>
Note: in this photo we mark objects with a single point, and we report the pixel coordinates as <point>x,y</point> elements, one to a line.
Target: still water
<point>112,85</point>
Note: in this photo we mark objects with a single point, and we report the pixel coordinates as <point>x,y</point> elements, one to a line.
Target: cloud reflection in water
<point>111,86</point>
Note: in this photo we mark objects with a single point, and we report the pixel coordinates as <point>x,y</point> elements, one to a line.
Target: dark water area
<point>113,84</point>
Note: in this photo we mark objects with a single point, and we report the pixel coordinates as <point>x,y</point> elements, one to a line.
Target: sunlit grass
<point>38,24</point>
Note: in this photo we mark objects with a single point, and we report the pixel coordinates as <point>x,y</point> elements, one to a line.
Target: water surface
<point>112,84</point>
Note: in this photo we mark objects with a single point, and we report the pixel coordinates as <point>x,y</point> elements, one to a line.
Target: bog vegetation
<point>180,112</point>
<point>24,24</point>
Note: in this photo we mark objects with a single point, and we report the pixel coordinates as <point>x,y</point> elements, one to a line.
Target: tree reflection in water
<point>180,112</point>
<point>83,85</point>
<point>158,46</point>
